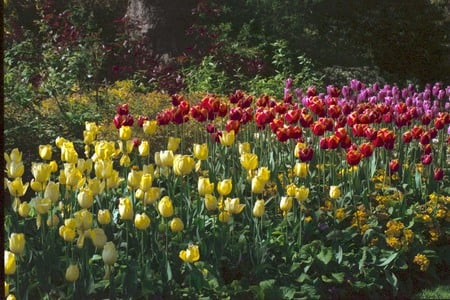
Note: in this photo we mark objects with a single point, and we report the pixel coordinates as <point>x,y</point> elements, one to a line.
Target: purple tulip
<point>288,83</point>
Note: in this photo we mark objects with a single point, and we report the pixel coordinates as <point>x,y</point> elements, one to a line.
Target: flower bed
<point>318,195</point>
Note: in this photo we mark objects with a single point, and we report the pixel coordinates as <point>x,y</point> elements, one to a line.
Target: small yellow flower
<point>335,192</point>
<point>204,186</point>
<point>233,205</point>
<point>224,216</point>
<point>98,237</point>
<point>301,193</point>
<point>16,187</point>
<point>15,169</point>
<point>125,160</point>
<point>104,216</point>
<point>224,187</point>
<point>125,133</point>
<point>42,205</point>
<point>291,190</point>
<point>109,254</point>
<point>144,148</point>
<point>126,209</point>
<point>286,203</point>
<point>24,209</point>
<point>257,185</point>
<point>210,202</point>
<point>166,158</point>
<point>10,263</point>
<point>152,195</point>
<point>85,198</point>
<point>422,261</point>
<point>191,254</point>
<point>134,179</point>
<point>67,233</point>
<point>146,182</point>
<point>244,148</point>
<point>149,127</point>
<point>173,144</point>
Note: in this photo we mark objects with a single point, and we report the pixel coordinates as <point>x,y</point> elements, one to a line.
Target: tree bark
<point>162,23</point>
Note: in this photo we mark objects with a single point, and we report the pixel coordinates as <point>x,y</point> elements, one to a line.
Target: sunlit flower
<point>263,174</point>
<point>85,198</point>
<point>114,180</point>
<point>125,160</point>
<point>301,169</point>
<point>134,179</point>
<point>285,204</point>
<point>146,182</point>
<point>301,193</point>
<point>335,192</point>
<point>10,263</point>
<point>249,161</point>
<point>224,216</point>
<point>42,205</point>
<point>126,209</point>
<point>244,148</point>
<point>257,185</point>
<point>125,133</point>
<point>291,190</point>
<point>141,221</point>
<point>183,164</point>
<point>24,209</point>
<point>210,202</point>
<point>98,237</point>
<point>227,138</point>
<point>144,148</point>
<point>166,158</point>
<point>104,216</point>
<point>150,127</point>
<point>67,233</point>
<point>422,260</point>
<point>109,254</point>
<point>191,254</point>
<point>16,187</point>
<point>83,219</point>
<point>68,153</point>
<point>204,186</point>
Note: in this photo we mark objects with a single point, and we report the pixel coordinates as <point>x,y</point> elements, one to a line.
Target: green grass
<point>440,291</point>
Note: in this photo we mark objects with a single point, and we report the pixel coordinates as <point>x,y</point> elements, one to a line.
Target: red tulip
<point>323,143</point>
<point>318,128</point>
<point>292,116</point>
<point>394,165</point>
<point>306,154</point>
<point>333,141</point>
<point>407,137</point>
<point>353,157</point>
<point>426,159</point>
<point>366,149</point>
<point>438,174</point>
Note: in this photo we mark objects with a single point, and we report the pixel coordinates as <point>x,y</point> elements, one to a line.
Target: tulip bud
<point>98,237</point>
<point>85,198</point>
<point>109,254</point>
<point>335,192</point>
<point>6,289</point>
<point>176,225</point>
<point>201,151</point>
<point>286,204</point>
<point>224,217</point>
<point>72,273</point>
<point>301,170</point>
<point>149,127</point>
<point>257,185</point>
<point>67,233</point>
<point>259,209</point>
<point>141,221</point>
<point>52,191</point>
<point>17,243</point>
<point>165,207</point>
<point>10,263</point>
<point>244,148</point>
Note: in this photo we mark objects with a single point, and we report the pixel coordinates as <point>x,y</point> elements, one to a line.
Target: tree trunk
<point>162,23</point>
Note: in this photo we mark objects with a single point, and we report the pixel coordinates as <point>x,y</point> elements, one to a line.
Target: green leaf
<point>387,261</point>
<point>393,281</point>
<point>339,277</point>
<point>339,255</point>
<point>168,271</point>
<point>325,255</point>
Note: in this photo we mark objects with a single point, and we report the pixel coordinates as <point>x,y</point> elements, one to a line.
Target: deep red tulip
<point>427,149</point>
<point>426,119</point>
<point>366,149</point>
<point>122,109</point>
<point>282,134</point>
<point>346,142</point>
<point>306,120</point>
<point>306,154</point>
<point>318,128</point>
<point>235,113</point>
<point>292,116</point>
<point>407,137</point>
<point>311,91</point>
<point>334,111</point>
<point>333,141</point>
<point>417,132</point>
<point>275,124</point>
<point>394,165</point>
<point>136,142</point>
<point>438,174</point>
<point>232,125</point>
<point>425,138</point>
<point>323,143</point>
<point>353,157</point>
<point>426,159</point>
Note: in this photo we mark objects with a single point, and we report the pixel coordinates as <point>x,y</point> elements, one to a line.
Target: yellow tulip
<point>67,233</point>
<point>201,151</point>
<point>134,179</point>
<point>141,221</point>
<point>152,195</point>
<point>227,138</point>
<point>125,160</point>
<point>83,219</point>
<point>105,150</point>
<point>301,193</point>
<point>36,186</point>
<point>286,204</point>
<point>224,216</point>
<point>298,146</point>
<point>53,166</point>
<point>60,141</point>
<point>183,164</point>
<point>68,153</point>
<point>146,182</point>
<point>84,165</point>
<point>144,148</point>
<point>126,147</point>
<point>71,223</point>
<point>52,191</point>
<point>42,205</point>
<point>259,208</point>
<point>114,180</point>
<point>165,207</point>
<point>72,273</point>
<point>15,169</point>
<point>103,168</point>
<point>204,186</point>
<point>166,158</point>
<point>126,209</point>
<point>224,187</point>
<point>98,237</point>
<point>104,216</point>
<point>233,206</point>
<point>10,263</point>
<point>88,137</point>
<point>74,178</point>
<point>92,127</point>
<point>85,198</point>
<point>17,243</point>
<point>173,143</point>
<point>301,170</point>
<point>149,127</point>
<point>41,171</point>
<point>6,289</point>
<point>249,161</point>
<point>109,254</point>
<point>244,148</point>
<point>176,225</point>
<point>148,169</point>
<point>24,209</point>
<point>96,186</point>
<point>335,191</point>
<point>45,152</point>
<point>11,297</point>
<point>125,133</point>
<point>158,159</point>
<point>291,190</point>
<point>52,220</point>
<point>15,155</point>
<point>191,254</point>
<point>16,187</point>
<point>263,174</point>
<point>210,202</point>
<point>257,185</point>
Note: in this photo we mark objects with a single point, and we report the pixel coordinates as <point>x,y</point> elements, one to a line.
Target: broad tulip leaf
<point>325,255</point>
